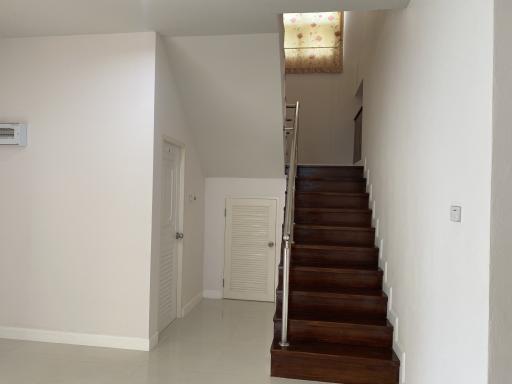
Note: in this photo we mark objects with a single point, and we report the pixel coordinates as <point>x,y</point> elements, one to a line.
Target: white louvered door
<point>250,249</point>
<point>168,271</point>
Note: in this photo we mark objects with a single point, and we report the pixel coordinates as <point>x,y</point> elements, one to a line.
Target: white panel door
<point>168,271</point>
<point>250,250</point>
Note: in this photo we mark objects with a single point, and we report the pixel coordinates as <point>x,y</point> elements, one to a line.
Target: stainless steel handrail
<point>289,213</point>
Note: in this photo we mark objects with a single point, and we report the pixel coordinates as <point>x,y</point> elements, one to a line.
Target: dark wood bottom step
<point>335,363</point>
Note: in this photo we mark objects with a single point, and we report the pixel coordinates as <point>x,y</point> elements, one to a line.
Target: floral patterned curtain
<point>313,42</point>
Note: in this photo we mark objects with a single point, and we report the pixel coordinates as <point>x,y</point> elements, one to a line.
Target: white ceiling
<point>170,17</point>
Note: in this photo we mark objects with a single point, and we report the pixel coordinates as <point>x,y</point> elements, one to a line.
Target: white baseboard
<point>401,355</point>
<point>211,294</point>
<point>326,165</point>
<point>153,340</point>
<point>191,305</point>
<point>92,340</point>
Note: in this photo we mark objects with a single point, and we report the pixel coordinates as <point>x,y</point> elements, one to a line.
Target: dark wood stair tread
<point>335,210</point>
<point>343,271</point>
<point>338,350</point>
<point>319,199</point>
<point>329,171</point>
<point>358,268</point>
<point>333,269</point>
<point>345,244</point>
<point>305,165</point>
<point>334,228</point>
<point>323,247</point>
<point>334,179</point>
<point>333,279</point>
<point>341,194</point>
<point>334,234</point>
<point>339,294</point>
<point>351,167</point>
<point>339,302</point>
<point>333,247</point>
<point>336,256</point>
<point>328,320</point>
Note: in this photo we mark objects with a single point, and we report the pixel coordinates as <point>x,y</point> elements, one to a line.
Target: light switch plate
<point>456,213</point>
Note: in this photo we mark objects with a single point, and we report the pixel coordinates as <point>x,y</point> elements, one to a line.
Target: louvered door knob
<point>179,235</point>
<point>270,244</point>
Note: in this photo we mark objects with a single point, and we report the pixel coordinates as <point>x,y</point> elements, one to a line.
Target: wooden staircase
<point>338,329</point>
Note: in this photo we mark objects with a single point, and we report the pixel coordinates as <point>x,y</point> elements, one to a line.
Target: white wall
<point>427,141</point>
<point>216,192</point>
<point>328,108</point>
<point>500,346</point>
<point>170,121</point>
<point>75,228</point>
<point>231,91</point>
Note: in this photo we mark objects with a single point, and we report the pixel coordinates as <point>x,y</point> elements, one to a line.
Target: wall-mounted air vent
<point>13,134</point>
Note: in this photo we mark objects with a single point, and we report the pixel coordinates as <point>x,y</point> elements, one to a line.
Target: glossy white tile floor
<point>219,342</point>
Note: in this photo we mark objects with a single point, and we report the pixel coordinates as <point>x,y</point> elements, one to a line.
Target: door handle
<point>271,244</point>
<point>179,236</point>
